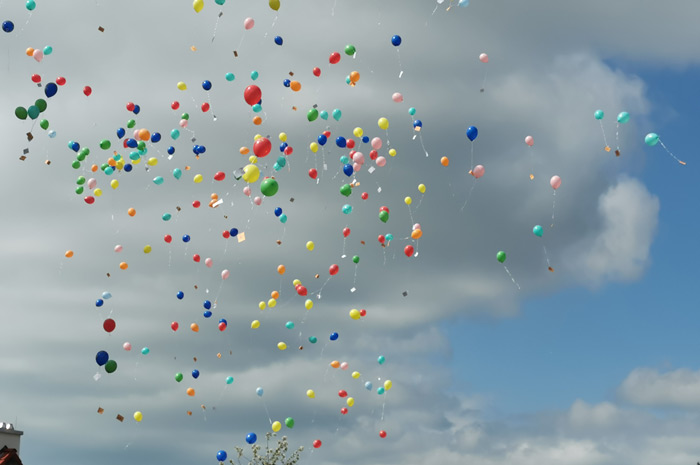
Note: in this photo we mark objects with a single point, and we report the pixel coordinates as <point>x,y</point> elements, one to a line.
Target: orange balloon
<point>416,234</point>
<point>335,364</point>
<point>354,76</point>
<point>30,51</point>
<point>215,196</point>
<point>144,134</point>
<point>111,162</point>
<point>194,327</point>
<point>123,265</point>
<point>275,295</point>
<point>131,211</point>
<point>257,121</point>
<point>69,253</point>
<point>295,86</point>
<point>244,150</point>
<point>190,392</point>
<point>445,161</point>
<point>281,269</point>
<point>94,168</point>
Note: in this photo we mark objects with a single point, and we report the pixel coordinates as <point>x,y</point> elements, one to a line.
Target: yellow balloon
<point>274,4</point>
<point>253,159</point>
<point>383,123</point>
<point>153,161</point>
<point>355,374</point>
<point>387,384</point>
<point>147,249</point>
<point>255,324</point>
<point>392,152</point>
<point>421,188</point>
<point>350,401</point>
<point>296,282</point>
<point>257,136</point>
<point>314,147</point>
<point>181,85</point>
<point>310,245</point>
<point>309,304</point>
<point>408,200</point>
<point>120,164</point>
<point>138,416</point>
<point>114,183</point>
<point>357,132</point>
<point>271,303</point>
<point>276,426</point>
<point>355,314</point>
<point>251,173</point>
<point>310,394</point>
<point>198,178</point>
<point>98,191</point>
<point>136,162</point>
<point>281,345</point>
<point>283,137</point>
<point>262,305</point>
<point>198,5</point>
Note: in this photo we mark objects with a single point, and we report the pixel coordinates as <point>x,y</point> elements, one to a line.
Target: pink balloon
<point>530,141</point>
<point>92,182</point>
<point>136,134</point>
<point>555,182</point>
<point>478,171</point>
<point>484,58</point>
<point>118,248</point>
<point>246,190</point>
<point>344,366</point>
<point>359,158</point>
<point>209,262</point>
<point>225,274</point>
<point>38,55</point>
<point>376,143</point>
<point>257,200</point>
<point>356,167</point>
<point>381,161</point>
<point>183,123</point>
<point>127,346</point>
<point>397,97</point>
<point>416,226</point>
<point>248,23</point>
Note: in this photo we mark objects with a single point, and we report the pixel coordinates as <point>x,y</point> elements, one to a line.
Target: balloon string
<point>410,213</point>
<point>420,136</point>
<point>511,276</point>
<point>605,140</point>
<point>472,154</point>
<point>398,54</point>
<point>469,196</point>
<point>483,82</point>
<point>546,257</point>
<point>554,199</point>
<point>216,25</point>
<point>669,152</point>
<point>617,137</point>
<point>532,176</point>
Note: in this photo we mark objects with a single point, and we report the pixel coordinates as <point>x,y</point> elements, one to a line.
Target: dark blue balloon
<point>171,150</point>
<point>365,139</point>
<point>334,336</point>
<point>278,211</point>
<point>102,357</point>
<point>287,83</point>
<point>128,167</point>
<point>186,238</point>
<point>207,313</point>
<point>99,303</point>
<point>50,89</point>
<point>195,149</point>
<point>121,132</point>
<point>75,146</point>
<point>322,139</point>
<point>340,142</point>
<point>132,143</point>
<point>195,373</point>
<point>251,438</point>
<point>347,169</point>
<point>278,40</point>
<point>233,232</point>
<point>155,137</point>
<point>180,295</point>
<point>8,26</point>
<point>283,146</point>
<point>472,132</point>
<point>417,124</point>
<point>221,455</point>
<point>396,41</point>
<point>223,320</point>
<point>206,85</point>
<point>207,304</point>
<point>137,109</point>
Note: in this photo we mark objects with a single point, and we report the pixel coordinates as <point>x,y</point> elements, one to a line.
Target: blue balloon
<point>99,303</point>
<point>396,41</point>
<point>221,455</point>
<point>347,169</point>
<point>155,137</point>
<point>233,232</point>
<point>279,40</point>
<point>417,124</point>
<point>287,83</point>
<point>278,211</point>
<point>251,438</point>
<point>171,150</point>
<point>259,391</point>
<point>102,357</point>
<point>472,132</point>
<point>322,139</point>
<point>132,143</point>
<point>223,320</point>
<point>128,167</point>
<point>180,295</point>
<point>50,89</point>
<point>186,238</point>
<point>137,109</point>
<point>368,386</point>
<point>195,373</point>
<point>334,336</point>
<point>8,26</point>
<point>340,142</point>
<point>121,132</point>
<point>283,146</point>
<point>463,3</point>
<point>206,85</point>
<point>207,304</point>
<point>365,139</point>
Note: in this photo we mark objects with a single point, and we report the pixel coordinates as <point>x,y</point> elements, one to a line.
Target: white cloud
<point>649,387</point>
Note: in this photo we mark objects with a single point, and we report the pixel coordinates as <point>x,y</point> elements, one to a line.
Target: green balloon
<point>41,104</point>
<point>185,116</point>
<point>289,421</point>
<point>312,114</point>
<point>501,256</point>
<point>651,139</point>
<point>141,145</point>
<point>384,216</point>
<point>21,112</point>
<point>131,123</point>
<point>80,181</point>
<point>79,190</point>
<point>350,49</point>
<point>75,164</point>
<point>178,377</point>
<point>269,187</point>
<point>33,112</point>
<point>356,259</point>
<point>80,156</point>
<point>110,366</point>
<point>44,124</point>
<point>105,144</point>
<point>346,190</point>
<point>84,151</point>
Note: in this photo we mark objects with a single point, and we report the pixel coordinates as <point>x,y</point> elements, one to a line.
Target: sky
<point>592,363</point>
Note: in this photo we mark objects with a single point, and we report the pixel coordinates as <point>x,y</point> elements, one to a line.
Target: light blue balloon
<point>106,295</point>
<point>174,134</point>
<point>347,209</point>
<point>289,325</point>
<point>276,167</point>
<point>257,108</point>
<point>230,77</point>
<point>347,80</point>
<point>463,3</point>
<point>48,50</point>
<point>344,160</point>
<point>411,111</point>
<point>623,117</point>
<point>134,156</point>
<point>221,2</point>
<point>259,391</point>
<point>599,114</point>
<point>282,161</point>
<point>52,134</point>
<point>323,114</point>
<point>177,173</point>
<point>368,386</point>
<point>31,4</point>
<point>109,170</point>
<point>167,216</point>
<point>380,390</point>
<point>537,231</point>
<point>337,114</point>
<point>254,75</point>
<point>651,139</point>
<point>389,237</point>
<point>229,380</point>
<point>158,180</point>
<point>283,218</point>
<point>145,351</point>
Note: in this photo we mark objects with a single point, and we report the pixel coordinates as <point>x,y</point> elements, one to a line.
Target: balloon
<point>138,416</point>
<point>198,5</point>
<point>334,58</point>
<point>463,3</point>
<point>381,359</point>
<point>537,230</point>
<point>333,270</point>
<point>408,250</point>
<point>529,141</point>
<point>472,133</point>
<point>229,379</point>
<point>382,434</point>
<point>8,26</point>
<point>248,23</point>
<point>178,377</point>
<point>310,394</point>
<point>337,114</point>
<point>127,346</point>
<point>145,351</point>
<point>225,274</point>
<point>259,391</point>
<point>252,94</point>
<point>276,426</point>
<point>312,114</point>
<point>317,443</point>
<point>598,114</point>
<point>478,171</point>
<point>111,366</point>
<point>555,182</point>
<point>651,139</point>
<point>50,90</point>
<point>33,112</point>
<point>501,256</point>
<point>383,123</point>
<point>279,40</point>
<point>347,209</point>
<point>21,112</point>
<point>221,456</point>
<point>623,117</point>
<point>397,97</point>
<point>396,41</point>
<point>484,58</point>
<point>384,216</point>
<point>289,422</point>
<point>269,187</point>
<point>190,392</point>
<point>109,325</point>
<point>251,173</point>
<point>102,357</point>
<point>38,55</point>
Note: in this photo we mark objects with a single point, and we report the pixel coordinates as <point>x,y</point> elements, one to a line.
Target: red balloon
<point>222,326</point>
<point>301,290</point>
<point>220,176</point>
<point>333,270</point>
<point>87,90</point>
<point>196,257</point>
<point>317,443</point>
<point>381,238</point>
<point>130,106</point>
<point>196,204</point>
<point>364,196</point>
<point>226,234</point>
<point>373,154</point>
<point>343,410</point>
<point>342,393</point>
<point>384,209</point>
<point>363,312</point>
<point>317,72</point>
<point>408,250</point>
<point>350,144</point>
<point>288,150</point>
<point>175,105</point>
<point>168,238</point>
<point>262,147</point>
<point>382,434</point>
<point>205,107</point>
<point>327,134</point>
<point>334,58</point>
<point>60,80</point>
<point>252,95</point>
<point>346,232</point>
<point>109,325</point>
<point>174,325</point>
<point>89,200</point>
<point>313,173</point>
<point>36,78</point>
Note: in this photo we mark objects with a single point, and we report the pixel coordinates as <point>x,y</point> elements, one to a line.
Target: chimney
<point>9,436</point>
